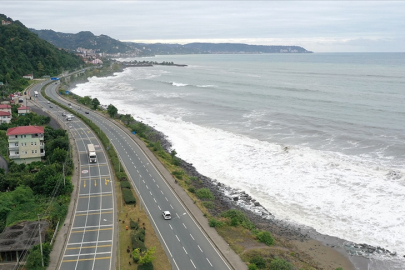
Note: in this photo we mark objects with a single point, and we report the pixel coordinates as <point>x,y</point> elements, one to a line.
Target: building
<point>23,110</point>
<point>26,143</point>
<point>5,108</point>
<point>29,76</point>
<point>3,22</point>
<point>5,117</point>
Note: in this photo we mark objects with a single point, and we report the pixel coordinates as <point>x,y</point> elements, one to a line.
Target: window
<point>35,151</point>
<point>32,143</point>
<point>35,143</point>
<point>32,151</point>
<point>17,153</point>
<point>16,144</point>
<point>25,136</point>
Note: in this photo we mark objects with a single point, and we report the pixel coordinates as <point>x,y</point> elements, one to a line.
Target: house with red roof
<point>26,143</point>
<point>22,110</point>
<point>5,117</point>
<point>5,108</point>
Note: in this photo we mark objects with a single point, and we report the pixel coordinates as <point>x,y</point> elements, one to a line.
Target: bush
<point>238,218</point>
<point>208,205</point>
<point>280,264</point>
<point>146,266</point>
<point>128,196</point>
<point>252,266</point>
<point>205,193</point>
<point>125,184</point>
<point>136,243</point>
<point>122,176</point>
<point>178,173</point>
<point>133,225</point>
<point>213,222</point>
<point>259,261</point>
<point>191,189</point>
<point>265,237</point>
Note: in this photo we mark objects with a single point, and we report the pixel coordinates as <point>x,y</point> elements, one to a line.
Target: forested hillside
<point>84,39</point>
<point>22,52</point>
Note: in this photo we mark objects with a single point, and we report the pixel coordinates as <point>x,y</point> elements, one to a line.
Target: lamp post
<point>40,241</point>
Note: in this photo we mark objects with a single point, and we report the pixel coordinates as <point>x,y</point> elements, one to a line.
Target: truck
<point>36,93</point>
<point>92,153</point>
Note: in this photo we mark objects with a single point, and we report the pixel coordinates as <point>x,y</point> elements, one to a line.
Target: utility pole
<point>40,241</point>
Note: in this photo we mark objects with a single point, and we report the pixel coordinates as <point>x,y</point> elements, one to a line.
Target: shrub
<point>280,264</point>
<point>208,204</point>
<point>125,184</point>
<point>178,173</point>
<point>238,218</point>
<point>259,261</point>
<point>205,193</point>
<point>146,266</point>
<point>252,266</point>
<point>128,196</point>
<point>136,243</point>
<point>213,222</point>
<point>136,254</point>
<point>191,189</point>
<point>265,237</point>
<point>193,178</point>
<point>133,225</point>
<point>122,176</point>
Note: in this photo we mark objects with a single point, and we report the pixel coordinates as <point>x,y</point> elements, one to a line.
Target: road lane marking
<point>90,214</point>
<point>171,227</point>
<point>86,254</point>
<point>192,261</point>
<point>177,238</point>
<point>98,246</point>
<point>75,228</point>
<point>150,193</point>
<point>98,210</point>
<point>184,226</point>
<point>209,262</point>
<point>159,207</point>
<point>166,199</point>
<point>161,192</point>
<point>147,187</point>
<point>186,253</point>
<point>171,206</point>
<point>89,259</point>
<point>95,230</point>
<point>155,200</point>
<point>157,185</point>
<point>192,237</point>
<point>200,248</point>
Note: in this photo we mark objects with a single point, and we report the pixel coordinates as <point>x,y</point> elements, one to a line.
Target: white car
<point>166,215</point>
<point>49,102</point>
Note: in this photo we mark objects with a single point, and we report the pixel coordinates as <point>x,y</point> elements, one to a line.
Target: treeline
<point>22,52</point>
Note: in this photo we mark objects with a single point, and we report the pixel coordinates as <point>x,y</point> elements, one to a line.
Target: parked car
<point>50,106</point>
<point>64,114</point>
<point>86,112</point>
<point>49,102</point>
<point>166,215</point>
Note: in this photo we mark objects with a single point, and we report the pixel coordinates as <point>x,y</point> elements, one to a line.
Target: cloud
<point>321,25</point>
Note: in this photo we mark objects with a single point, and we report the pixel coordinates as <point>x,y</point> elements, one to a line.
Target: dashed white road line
<point>184,226</point>
<point>199,248</point>
<point>177,238</point>
<point>209,262</point>
<point>192,237</point>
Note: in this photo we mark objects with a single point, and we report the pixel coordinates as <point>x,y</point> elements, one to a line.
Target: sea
<point>318,139</point>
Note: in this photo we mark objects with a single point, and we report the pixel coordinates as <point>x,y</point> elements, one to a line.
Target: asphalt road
<point>91,242</point>
<point>185,244</point>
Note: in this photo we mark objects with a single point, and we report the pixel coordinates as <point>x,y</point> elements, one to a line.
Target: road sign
<point>67,92</point>
<point>96,145</point>
<point>85,171</point>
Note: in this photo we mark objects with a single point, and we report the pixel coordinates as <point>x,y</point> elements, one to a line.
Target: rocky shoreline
<point>230,198</point>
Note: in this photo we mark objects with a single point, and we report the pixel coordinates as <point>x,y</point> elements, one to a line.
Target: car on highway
<point>63,114</point>
<point>49,102</point>
<point>71,107</point>
<point>166,215</point>
<point>50,106</point>
<point>86,112</point>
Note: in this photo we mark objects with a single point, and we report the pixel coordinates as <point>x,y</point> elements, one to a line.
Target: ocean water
<point>318,139</point>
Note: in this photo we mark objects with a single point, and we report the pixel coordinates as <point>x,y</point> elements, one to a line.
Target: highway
<point>185,243</point>
<point>91,241</point>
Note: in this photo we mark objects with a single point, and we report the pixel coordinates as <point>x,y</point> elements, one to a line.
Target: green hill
<point>22,52</point>
<point>84,39</point>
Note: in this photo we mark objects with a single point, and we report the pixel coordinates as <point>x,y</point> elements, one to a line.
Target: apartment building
<point>26,144</point>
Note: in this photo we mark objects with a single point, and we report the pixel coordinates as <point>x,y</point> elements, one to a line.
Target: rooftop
<point>25,130</point>
<point>5,106</point>
<point>4,113</point>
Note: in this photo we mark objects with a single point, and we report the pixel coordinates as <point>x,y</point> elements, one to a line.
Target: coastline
<point>327,251</point>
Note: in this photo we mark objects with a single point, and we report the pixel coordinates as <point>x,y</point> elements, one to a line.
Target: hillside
<point>84,39</point>
<point>243,48</point>
<point>22,52</point>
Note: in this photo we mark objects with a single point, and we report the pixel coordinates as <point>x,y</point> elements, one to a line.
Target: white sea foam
<point>206,85</point>
<point>178,84</point>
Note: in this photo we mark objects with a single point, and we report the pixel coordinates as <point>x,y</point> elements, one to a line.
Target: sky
<point>319,26</point>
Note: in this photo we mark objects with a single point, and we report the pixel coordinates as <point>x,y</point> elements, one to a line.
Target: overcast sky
<point>319,26</point>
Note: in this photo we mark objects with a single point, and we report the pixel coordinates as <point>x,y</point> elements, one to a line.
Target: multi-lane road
<point>91,240</point>
<point>185,243</point>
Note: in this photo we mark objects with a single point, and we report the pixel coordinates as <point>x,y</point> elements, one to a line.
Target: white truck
<point>36,93</point>
<point>92,153</point>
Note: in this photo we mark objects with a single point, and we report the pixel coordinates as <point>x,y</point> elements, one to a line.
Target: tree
<point>58,155</point>
<point>127,118</point>
<point>173,153</point>
<point>265,237</point>
<point>111,110</point>
<point>148,257</point>
<point>86,100</point>
<point>136,254</point>
<point>95,103</point>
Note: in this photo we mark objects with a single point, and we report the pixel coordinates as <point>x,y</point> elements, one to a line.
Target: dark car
<point>50,106</point>
<point>86,112</point>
